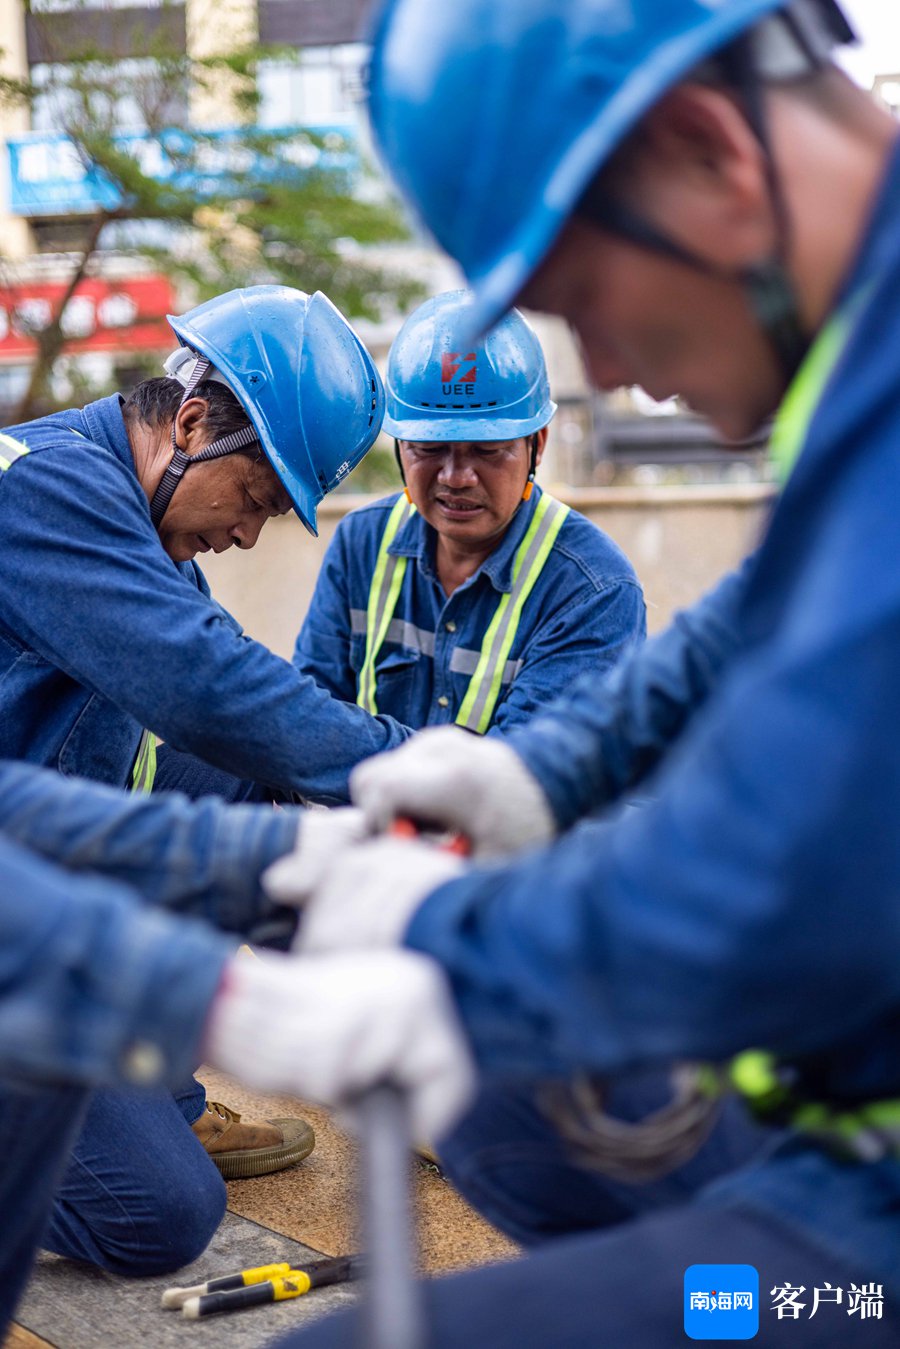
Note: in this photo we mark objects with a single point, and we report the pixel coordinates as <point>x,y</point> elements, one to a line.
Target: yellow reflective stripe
<point>805,393</point>
<point>383,595</point>
<point>754,1075</point>
<point>484,686</point>
<point>10,451</point>
<point>144,771</point>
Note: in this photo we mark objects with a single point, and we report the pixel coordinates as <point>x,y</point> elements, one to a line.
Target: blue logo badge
<point>721,1302</point>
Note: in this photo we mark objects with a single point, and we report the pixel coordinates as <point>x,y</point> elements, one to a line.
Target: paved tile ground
<point>308,1210</point>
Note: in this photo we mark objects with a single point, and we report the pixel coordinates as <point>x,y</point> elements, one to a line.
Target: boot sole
<point>245,1163</point>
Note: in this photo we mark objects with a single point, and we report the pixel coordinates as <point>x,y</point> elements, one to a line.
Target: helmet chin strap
<point>181,461</point>
<point>532,469</point>
<point>787,46</point>
<point>767,285</point>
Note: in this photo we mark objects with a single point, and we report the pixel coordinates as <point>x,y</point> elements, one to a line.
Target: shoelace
<point>223,1111</point>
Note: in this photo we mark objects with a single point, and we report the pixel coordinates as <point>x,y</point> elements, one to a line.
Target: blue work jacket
<point>585,612</point>
<point>97,985</point>
<point>753,901</point>
<point>102,635</point>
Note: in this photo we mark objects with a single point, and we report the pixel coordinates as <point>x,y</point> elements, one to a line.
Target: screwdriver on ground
<point>278,1288</point>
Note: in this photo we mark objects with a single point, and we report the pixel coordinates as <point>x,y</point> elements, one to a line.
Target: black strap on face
<point>180,461</point>
<point>767,285</point>
<point>532,468</point>
<point>399,460</point>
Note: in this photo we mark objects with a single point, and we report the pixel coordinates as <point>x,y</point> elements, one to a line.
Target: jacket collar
<point>105,425</point>
<point>418,539</point>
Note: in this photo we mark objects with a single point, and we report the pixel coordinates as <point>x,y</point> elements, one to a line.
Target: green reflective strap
<point>144,771</point>
<point>10,451</point>
<point>383,595</point>
<point>484,686</point>
<point>805,393</point>
<point>866,1132</point>
<point>754,1075</point>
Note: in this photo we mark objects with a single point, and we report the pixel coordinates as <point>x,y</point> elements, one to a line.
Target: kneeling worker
<point>472,597</point>
<point>109,637</point>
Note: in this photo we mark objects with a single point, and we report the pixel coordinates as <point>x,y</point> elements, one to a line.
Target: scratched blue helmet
<point>303,377</point>
<point>443,386</point>
<point>495,115</point>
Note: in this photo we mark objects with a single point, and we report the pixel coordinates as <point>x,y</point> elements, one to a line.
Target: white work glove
<point>323,837</point>
<point>369,895</point>
<point>329,1028</point>
<point>471,785</point>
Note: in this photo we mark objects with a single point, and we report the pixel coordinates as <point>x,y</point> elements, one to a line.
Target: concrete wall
<point>680,541</point>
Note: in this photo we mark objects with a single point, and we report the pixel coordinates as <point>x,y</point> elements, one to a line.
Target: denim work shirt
<point>102,634</point>
<point>96,985</point>
<point>753,901</point>
<point>584,612</point>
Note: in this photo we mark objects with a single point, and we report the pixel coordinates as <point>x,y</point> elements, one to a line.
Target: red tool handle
<point>404,827</point>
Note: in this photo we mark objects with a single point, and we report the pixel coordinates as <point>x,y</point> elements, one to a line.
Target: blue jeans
<point>37,1130</point>
<point>140,1195</point>
<point>512,1166</point>
<point>115,1178</point>
<point>609,1261</point>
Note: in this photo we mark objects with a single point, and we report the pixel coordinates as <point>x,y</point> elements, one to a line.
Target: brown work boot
<point>253,1147</point>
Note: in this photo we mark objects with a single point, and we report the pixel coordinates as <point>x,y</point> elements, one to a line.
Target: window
<point>322,86</point>
<point>129,95</point>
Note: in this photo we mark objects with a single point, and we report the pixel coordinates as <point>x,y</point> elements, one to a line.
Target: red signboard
<point>121,316</point>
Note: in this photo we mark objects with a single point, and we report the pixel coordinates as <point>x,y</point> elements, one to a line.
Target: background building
<point>311,77</point>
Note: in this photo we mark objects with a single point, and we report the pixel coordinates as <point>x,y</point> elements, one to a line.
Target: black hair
<point>155,402</point>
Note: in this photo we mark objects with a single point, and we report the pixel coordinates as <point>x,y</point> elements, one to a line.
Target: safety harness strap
<point>484,686</point>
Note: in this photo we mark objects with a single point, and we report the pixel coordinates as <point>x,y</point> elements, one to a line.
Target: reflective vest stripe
<point>10,451</point>
<point>799,404</point>
<point>144,770</point>
<point>422,640</point>
<point>484,686</point>
<point>492,667</point>
<point>383,595</point>
<point>873,1128</point>
<point>865,1132</point>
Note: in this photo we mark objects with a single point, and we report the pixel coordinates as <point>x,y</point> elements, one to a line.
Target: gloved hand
<point>446,777</point>
<point>370,893</point>
<point>323,837</point>
<point>327,1028</point>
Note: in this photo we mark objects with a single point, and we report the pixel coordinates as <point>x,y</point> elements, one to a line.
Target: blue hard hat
<point>442,386</point>
<point>303,377</point>
<point>494,115</point>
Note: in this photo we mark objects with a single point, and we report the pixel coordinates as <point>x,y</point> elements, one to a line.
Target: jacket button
<point>143,1063</point>
<point>443,701</point>
<point>450,626</point>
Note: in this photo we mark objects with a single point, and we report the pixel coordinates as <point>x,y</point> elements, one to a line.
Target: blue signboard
<point>50,176</point>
